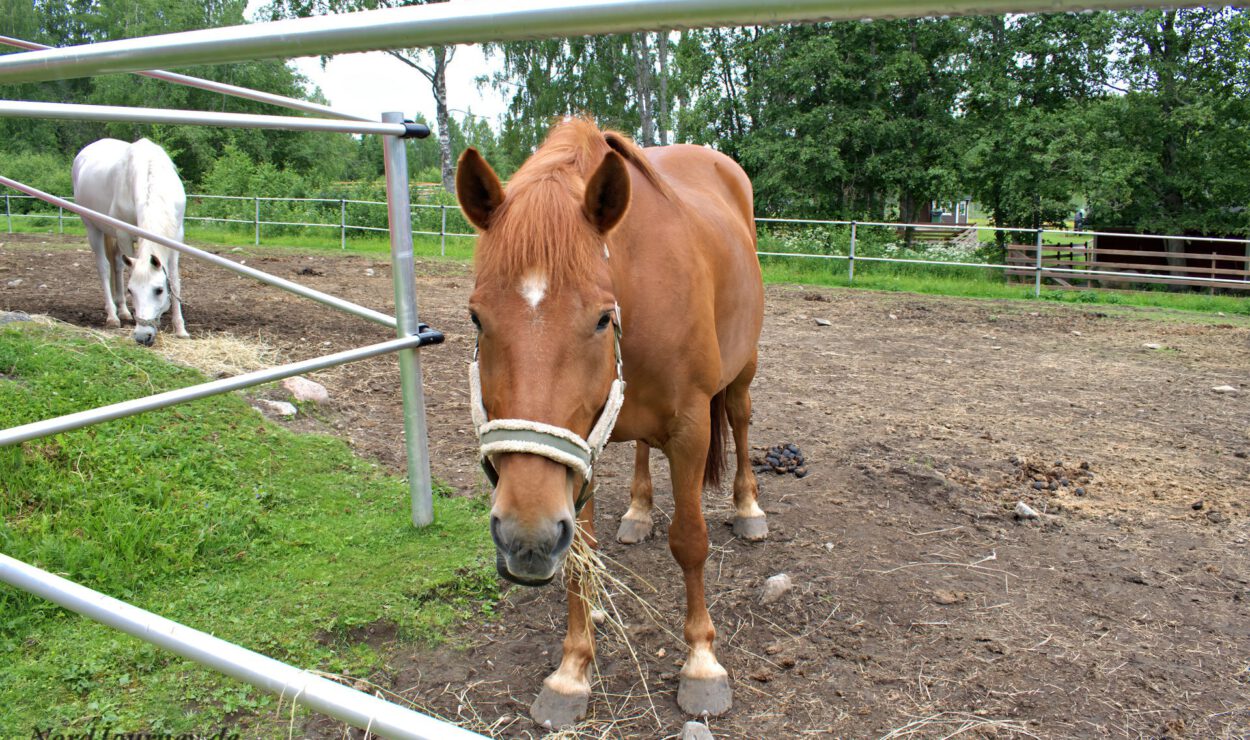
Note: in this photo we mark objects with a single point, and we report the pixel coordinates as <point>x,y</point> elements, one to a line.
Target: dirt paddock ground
<point>921,606</point>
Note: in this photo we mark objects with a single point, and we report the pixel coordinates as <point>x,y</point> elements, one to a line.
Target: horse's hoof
<point>182,335</point>
<point>705,697</point>
<point>633,531</point>
<point>751,528</point>
<point>555,711</point>
<point>112,324</point>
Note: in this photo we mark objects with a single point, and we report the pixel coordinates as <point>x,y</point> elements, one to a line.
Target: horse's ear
<point>129,262</point>
<point>156,262</point>
<point>607,193</point>
<point>477,188</point>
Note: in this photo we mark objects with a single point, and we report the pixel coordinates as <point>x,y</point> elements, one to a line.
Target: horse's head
<point>149,292</point>
<point>547,362</point>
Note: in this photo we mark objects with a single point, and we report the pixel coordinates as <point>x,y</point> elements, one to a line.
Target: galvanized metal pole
<point>217,87</point>
<point>80,419</point>
<point>123,114</point>
<point>8,214</point>
<point>256,219</point>
<point>1037,284</point>
<point>60,220</point>
<point>301,687</point>
<point>850,274</point>
<point>403,275</point>
<point>482,21</point>
<point>342,223</point>
<point>442,234</point>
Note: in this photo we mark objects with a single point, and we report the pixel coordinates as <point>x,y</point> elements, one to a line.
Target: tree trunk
<point>643,86</point>
<point>662,50</point>
<point>442,117</point>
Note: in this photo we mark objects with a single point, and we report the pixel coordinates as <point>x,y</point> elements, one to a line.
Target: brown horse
<point>590,223</point>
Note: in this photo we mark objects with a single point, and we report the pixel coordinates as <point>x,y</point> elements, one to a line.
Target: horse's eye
<point>604,320</point>
<point>474,319</point>
<point>158,291</point>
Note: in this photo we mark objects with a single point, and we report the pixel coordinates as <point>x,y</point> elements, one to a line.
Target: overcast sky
<point>374,82</point>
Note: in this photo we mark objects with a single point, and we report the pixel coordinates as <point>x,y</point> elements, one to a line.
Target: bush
<point>48,172</point>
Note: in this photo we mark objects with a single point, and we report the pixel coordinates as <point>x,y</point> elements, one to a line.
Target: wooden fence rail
<point>1147,267</point>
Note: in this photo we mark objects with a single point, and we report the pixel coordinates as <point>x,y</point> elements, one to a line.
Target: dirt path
<point>920,604</point>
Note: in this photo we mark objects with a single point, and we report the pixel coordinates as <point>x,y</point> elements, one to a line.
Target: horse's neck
<point>156,198</point>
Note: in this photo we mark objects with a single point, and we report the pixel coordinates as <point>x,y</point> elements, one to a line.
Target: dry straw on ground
<point>218,355</point>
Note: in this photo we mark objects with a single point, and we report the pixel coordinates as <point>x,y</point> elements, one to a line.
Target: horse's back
<point>97,173</point>
<point>120,179</point>
<point>714,196</point>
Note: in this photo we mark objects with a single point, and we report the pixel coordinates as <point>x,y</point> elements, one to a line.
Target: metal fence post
<point>256,219</point>
<point>442,233</point>
<point>1037,284</point>
<point>8,215</point>
<point>403,275</point>
<point>342,223</point>
<point>60,220</point>
<point>850,263</point>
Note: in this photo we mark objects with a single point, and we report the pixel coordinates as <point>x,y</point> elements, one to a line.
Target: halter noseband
<point>564,446</point>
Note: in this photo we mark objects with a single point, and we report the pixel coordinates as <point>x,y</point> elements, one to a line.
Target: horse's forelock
<point>541,225</point>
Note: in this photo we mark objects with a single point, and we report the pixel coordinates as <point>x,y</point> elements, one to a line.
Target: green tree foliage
<point>1029,81</point>
<point>1143,116</point>
<point>1169,152</point>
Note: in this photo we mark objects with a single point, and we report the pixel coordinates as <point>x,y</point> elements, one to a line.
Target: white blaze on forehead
<point>534,289</point>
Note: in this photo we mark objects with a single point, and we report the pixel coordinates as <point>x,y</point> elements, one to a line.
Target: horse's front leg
<point>636,524</point>
<point>566,692</point>
<point>119,281</point>
<point>175,284</point>
<point>704,687</point>
<point>101,246</point>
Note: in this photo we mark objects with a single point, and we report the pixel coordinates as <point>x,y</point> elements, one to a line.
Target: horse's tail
<point>716,443</point>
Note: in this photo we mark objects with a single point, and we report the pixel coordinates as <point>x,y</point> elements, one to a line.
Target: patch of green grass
<point>211,516</point>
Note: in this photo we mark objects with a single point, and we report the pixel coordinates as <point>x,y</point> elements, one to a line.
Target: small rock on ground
<point>304,389</point>
<point>823,322</point>
<point>1024,511</point>
<point>277,408</point>
<point>775,587</point>
<point>696,731</point>
<point>1151,345</point>
<point>1224,389</point>
<point>8,317</point>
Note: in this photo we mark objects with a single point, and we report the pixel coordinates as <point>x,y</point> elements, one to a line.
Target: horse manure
<point>786,458</point>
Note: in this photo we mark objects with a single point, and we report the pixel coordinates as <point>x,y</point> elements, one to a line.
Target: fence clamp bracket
<point>415,130</point>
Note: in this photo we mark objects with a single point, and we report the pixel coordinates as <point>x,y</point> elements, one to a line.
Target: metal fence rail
<point>300,687</point>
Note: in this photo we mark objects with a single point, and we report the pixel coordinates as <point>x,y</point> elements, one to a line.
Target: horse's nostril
<point>564,538</point>
<point>494,533</point>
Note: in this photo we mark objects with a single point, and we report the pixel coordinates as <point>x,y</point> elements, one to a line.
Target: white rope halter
<point>564,446</point>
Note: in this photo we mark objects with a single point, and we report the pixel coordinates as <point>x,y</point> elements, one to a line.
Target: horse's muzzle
<point>530,558</point>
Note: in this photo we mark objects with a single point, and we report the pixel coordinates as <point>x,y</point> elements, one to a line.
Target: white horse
<point>136,183</point>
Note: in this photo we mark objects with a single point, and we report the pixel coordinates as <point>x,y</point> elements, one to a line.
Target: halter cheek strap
<point>564,446</point>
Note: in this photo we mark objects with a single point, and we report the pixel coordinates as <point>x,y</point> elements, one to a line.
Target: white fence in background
<point>342,225</point>
<point>1033,242</point>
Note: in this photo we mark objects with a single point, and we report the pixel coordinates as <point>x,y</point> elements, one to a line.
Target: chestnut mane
<point>541,225</point>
